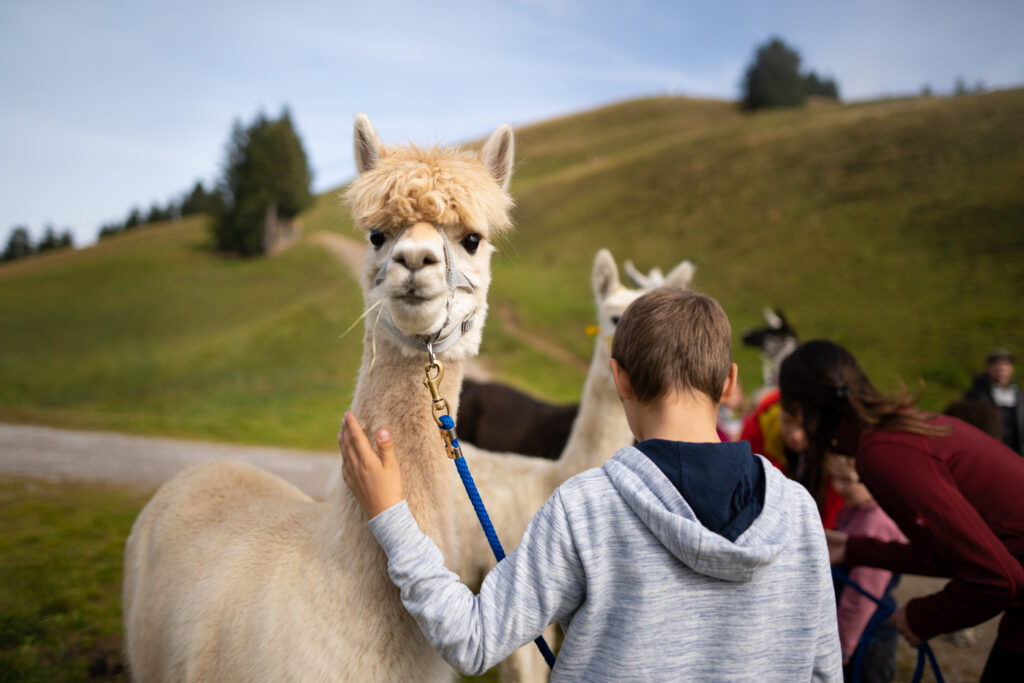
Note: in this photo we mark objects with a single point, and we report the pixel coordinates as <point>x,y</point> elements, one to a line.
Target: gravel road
<point>61,454</point>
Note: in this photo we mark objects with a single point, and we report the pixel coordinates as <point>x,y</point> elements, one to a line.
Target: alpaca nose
<point>416,257</point>
<point>420,248</point>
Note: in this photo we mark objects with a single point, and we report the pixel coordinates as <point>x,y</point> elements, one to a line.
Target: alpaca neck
<point>600,428</point>
<point>390,394</point>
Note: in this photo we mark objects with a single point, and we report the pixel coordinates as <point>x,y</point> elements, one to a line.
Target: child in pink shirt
<point>862,516</point>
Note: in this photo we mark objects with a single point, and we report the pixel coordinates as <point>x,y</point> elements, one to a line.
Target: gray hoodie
<point>641,588</point>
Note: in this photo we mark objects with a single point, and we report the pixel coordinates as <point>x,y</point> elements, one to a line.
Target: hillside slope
<point>895,227</point>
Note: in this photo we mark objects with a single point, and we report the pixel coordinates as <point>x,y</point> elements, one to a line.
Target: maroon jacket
<point>959,499</point>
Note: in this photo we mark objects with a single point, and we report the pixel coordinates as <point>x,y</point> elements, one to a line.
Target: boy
<point>680,558</point>
<point>862,516</point>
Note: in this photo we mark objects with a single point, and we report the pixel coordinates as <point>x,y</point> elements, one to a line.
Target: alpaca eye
<point>377,239</point>
<point>471,242</point>
<point>615,320</point>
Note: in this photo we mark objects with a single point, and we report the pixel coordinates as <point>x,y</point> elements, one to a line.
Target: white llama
<point>231,574</point>
<point>514,487</point>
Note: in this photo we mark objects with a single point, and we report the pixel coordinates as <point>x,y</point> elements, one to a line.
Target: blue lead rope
<point>448,424</point>
<point>924,650</point>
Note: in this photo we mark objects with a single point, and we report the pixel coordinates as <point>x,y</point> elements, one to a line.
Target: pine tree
<point>266,178</point>
<point>19,245</point>
<point>773,80</point>
<point>49,240</point>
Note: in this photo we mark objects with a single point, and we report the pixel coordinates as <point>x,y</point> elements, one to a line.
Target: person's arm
<point>540,582</point>
<point>896,556</point>
<point>922,497</point>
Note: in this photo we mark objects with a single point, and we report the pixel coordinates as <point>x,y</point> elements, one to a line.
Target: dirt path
<point>60,454</point>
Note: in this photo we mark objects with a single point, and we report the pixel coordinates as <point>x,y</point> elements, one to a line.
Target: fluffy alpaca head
<point>410,200</point>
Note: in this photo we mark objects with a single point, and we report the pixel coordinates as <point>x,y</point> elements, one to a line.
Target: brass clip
<point>439,406</point>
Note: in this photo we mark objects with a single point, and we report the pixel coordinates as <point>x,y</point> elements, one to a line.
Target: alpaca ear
<point>366,144</point>
<point>638,279</point>
<point>498,154</point>
<point>605,275</point>
<point>681,275</point>
<point>774,321</point>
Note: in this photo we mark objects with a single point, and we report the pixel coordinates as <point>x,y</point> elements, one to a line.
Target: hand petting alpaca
<point>375,481</point>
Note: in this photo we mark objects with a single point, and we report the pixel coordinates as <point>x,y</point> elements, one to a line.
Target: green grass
<point>152,333</point>
<point>61,559</point>
<point>61,548</point>
<point>893,227</point>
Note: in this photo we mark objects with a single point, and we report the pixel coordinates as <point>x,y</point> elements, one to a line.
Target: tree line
<point>196,201</point>
<point>19,243</point>
<point>264,184</point>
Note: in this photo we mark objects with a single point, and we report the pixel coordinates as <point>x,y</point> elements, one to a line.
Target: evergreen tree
<point>109,229</point>
<point>134,219</point>
<point>19,245</point>
<point>66,239</point>
<point>266,174</point>
<point>157,214</point>
<point>820,87</point>
<point>773,80</point>
<point>196,201</point>
<point>49,240</point>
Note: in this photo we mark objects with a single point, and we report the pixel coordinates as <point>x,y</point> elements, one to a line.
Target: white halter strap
<point>455,279</point>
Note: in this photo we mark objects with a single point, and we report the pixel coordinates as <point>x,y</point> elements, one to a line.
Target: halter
<point>455,280</point>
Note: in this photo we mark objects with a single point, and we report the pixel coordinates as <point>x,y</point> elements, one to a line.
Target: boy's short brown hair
<point>673,338</point>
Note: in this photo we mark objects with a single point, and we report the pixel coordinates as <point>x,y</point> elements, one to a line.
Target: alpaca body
<point>497,417</point>
<point>231,574</point>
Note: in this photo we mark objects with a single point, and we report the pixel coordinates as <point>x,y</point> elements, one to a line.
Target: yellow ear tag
<point>592,330</point>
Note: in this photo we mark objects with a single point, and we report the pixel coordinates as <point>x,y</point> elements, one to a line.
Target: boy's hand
<point>375,481</point>
<point>836,545</point>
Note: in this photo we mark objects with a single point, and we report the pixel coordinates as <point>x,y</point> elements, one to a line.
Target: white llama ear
<point>366,144</point>
<point>773,320</point>
<point>605,275</point>
<point>681,275</point>
<point>636,277</point>
<point>498,154</point>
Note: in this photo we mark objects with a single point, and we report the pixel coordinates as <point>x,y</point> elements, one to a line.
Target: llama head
<point>613,297</point>
<point>431,216</point>
<point>775,341</point>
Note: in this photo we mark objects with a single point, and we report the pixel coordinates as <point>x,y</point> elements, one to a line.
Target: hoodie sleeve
<point>828,661</point>
<point>538,583</point>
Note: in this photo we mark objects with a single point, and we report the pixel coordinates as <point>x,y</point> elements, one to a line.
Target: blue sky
<point>112,104</point>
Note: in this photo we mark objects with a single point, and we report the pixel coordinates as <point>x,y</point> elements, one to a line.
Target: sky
<point>109,105</point>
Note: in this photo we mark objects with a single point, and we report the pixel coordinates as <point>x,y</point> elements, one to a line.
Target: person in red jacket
<point>954,491</point>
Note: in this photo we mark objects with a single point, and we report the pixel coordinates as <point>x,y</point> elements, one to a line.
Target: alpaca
<point>496,417</point>
<point>775,341</point>
<point>515,487</point>
<point>233,574</point>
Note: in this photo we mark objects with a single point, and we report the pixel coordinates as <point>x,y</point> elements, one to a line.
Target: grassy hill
<point>894,227</point>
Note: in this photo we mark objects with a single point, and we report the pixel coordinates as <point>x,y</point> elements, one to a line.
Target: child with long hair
<point>954,491</point>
